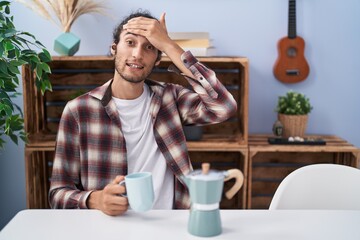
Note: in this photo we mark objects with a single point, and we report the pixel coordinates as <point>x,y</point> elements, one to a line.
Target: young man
<point>133,124</point>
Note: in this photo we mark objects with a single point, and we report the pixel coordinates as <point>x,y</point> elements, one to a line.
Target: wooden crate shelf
<point>72,76</point>
<point>225,145</point>
<point>270,164</point>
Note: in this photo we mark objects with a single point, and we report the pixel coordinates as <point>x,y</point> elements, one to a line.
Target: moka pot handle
<point>239,181</point>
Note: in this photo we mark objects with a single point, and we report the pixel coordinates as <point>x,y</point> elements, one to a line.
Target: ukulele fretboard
<point>292,19</point>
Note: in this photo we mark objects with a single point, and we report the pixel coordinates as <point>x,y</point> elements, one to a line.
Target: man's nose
<point>138,52</point>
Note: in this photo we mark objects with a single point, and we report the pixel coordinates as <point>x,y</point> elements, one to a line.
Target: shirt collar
<point>103,93</point>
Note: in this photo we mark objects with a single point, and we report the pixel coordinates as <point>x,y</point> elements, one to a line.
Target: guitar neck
<point>292,19</point>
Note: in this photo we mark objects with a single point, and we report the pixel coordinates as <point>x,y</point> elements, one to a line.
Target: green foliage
<point>293,103</point>
<point>15,51</point>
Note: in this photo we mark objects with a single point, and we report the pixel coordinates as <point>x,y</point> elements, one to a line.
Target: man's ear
<point>113,49</point>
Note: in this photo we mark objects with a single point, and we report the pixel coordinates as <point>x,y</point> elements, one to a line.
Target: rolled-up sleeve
<point>212,103</point>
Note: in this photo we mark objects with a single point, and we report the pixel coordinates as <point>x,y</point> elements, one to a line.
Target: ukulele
<point>291,65</point>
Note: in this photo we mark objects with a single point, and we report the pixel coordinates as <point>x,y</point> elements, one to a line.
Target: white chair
<point>319,186</point>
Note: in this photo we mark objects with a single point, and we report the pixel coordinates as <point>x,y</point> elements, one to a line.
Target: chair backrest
<point>319,186</point>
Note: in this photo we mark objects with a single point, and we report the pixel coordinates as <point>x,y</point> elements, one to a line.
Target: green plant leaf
<point>16,81</point>
<point>34,59</point>
<point>45,67</point>
<point>7,9</point>
<point>1,47</point>
<point>9,33</point>
<point>27,52</point>
<point>10,86</point>
<point>45,56</point>
<point>38,70</point>
<point>30,35</point>
<point>39,43</point>
<point>14,138</point>
<point>6,107</point>
<point>4,3</point>
<point>20,41</point>
<point>13,69</point>
<point>12,53</point>
<point>19,110</point>
<point>3,94</point>
<point>24,136</point>
<point>3,66</point>
<point>17,63</point>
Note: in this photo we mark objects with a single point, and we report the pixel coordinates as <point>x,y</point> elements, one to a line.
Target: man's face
<point>135,57</point>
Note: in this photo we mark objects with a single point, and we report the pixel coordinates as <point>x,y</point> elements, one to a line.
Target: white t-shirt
<point>143,153</point>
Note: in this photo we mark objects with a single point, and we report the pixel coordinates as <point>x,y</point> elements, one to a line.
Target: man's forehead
<point>126,33</point>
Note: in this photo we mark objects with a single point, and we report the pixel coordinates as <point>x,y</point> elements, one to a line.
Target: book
<point>188,35</point>
<point>202,52</point>
<point>198,43</point>
<point>194,43</point>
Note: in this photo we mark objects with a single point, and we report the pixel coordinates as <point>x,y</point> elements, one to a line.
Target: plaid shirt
<point>91,149</point>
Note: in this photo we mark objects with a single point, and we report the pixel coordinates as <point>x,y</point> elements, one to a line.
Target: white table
<point>167,224</point>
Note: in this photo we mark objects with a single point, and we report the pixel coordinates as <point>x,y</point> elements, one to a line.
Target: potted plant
<point>16,50</point>
<point>293,110</point>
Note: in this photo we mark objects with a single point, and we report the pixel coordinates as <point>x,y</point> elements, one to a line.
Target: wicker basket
<point>294,125</point>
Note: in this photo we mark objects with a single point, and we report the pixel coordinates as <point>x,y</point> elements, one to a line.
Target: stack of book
<point>199,43</point>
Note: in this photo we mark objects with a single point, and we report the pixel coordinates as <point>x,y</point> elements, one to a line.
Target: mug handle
<point>123,183</point>
<point>239,180</point>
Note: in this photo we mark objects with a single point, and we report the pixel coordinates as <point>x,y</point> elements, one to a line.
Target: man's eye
<point>150,47</point>
<point>129,42</point>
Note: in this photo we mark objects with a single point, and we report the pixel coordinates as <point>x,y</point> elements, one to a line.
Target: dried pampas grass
<point>66,11</point>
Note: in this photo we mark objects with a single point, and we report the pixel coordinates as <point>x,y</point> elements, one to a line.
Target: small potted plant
<point>293,110</point>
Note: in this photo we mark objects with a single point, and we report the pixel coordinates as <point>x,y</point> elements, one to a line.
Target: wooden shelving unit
<point>224,144</point>
<point>270,164</point>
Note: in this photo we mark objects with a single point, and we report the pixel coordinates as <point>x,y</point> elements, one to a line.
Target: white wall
<point>251,28</point>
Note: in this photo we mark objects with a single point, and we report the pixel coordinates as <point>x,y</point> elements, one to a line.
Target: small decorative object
<point>293,110</point>
<point>278,128</point>
<point>67,44</point>
<point>298,139</point>
<point>66,12</point>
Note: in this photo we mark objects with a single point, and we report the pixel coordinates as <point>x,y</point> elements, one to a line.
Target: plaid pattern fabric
<point>91,149</point>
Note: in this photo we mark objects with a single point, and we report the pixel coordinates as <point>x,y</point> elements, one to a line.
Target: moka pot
<point>205,188</point>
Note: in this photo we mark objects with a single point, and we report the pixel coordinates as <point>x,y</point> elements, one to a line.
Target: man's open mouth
<point>136,66</point>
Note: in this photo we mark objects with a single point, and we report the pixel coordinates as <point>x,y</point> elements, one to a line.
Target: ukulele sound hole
<point>291,52</point>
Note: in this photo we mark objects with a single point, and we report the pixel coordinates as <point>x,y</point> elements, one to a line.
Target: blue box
<point>67,44</point>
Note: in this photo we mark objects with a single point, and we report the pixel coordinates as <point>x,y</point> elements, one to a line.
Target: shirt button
<point>201,78</point>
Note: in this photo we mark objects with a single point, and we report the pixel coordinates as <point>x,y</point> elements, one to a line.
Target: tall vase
<point>67,44</point>
<point>293,125</point>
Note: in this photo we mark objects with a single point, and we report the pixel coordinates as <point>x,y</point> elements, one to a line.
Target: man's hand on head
<point>153,30</point>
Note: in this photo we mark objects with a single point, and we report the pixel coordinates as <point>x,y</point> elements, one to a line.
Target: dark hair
<point>119,28</point>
